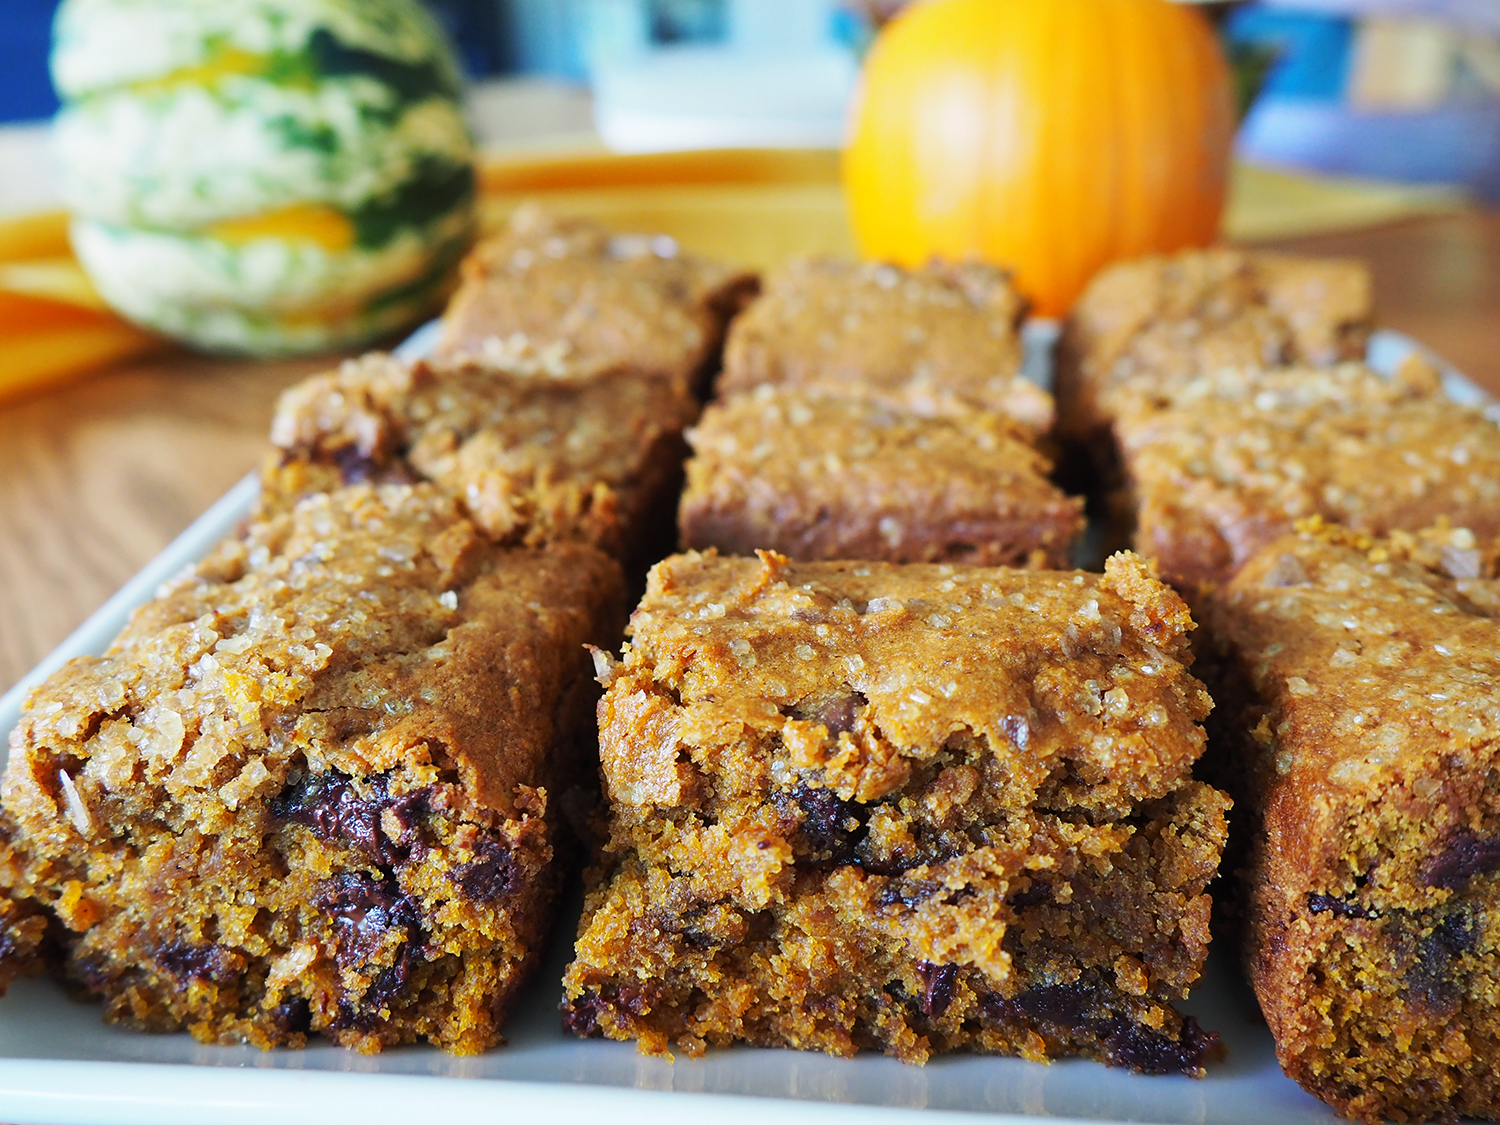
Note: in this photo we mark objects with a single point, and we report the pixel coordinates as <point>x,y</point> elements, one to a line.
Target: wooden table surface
<point>96,478</point>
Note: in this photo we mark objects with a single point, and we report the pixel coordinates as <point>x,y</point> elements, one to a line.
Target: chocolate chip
<point>1065,1005</point>
<point>494,874</point>
<point>581,1017</point>
<point>1453,935</point>
<point>839,713</point>
<point>939,983</point>
<point>908,892</point>
<point>829,828</point>
<point>354,465</point>
<point>364,910</point>
<point>1463,857</point>
<point>195,962</point>
<point>1034,895</point>
<point>1148,1051</point>
<point>293,1016</point>
<point>1324,904</point>
<point>330,805</point>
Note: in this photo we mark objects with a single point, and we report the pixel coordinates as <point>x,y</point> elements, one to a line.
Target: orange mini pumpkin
<point>1052,136</point>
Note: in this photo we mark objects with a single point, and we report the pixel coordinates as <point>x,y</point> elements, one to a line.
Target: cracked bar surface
<point>314,785</point>
<point>1231,461</point>
<point>534,457</point>
<point>569,290</point>
<point>825,475</point>
<point>1148,325</point>
<point>916,808</point>
<point>1360,733</point>
<point>921,337</point>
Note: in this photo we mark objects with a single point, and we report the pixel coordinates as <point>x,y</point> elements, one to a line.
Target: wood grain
<point>96,478</point>
<point>1436,279</point>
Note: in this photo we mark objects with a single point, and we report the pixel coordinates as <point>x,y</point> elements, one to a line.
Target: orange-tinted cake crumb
<point>918,808</point>
<point>1362,732</point>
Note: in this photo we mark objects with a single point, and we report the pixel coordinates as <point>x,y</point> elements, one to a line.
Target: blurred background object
<point>1404,90</point>
<point>1372,110</point>
<point>264,176</point>
<point>1043,137</point>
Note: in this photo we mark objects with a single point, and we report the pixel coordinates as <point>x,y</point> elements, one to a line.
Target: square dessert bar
<point>1360,724</point>
<point>912,807</point>
<point>923,337</point>
<point>1232,460</point>
<point>1146,325</point>
<point>595,457</point>
<point>314,785</point>
<point>570,289</point>
<point>826,475</point>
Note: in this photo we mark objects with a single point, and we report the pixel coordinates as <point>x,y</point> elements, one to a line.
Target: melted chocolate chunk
<point>1080,1009</point>
<point>839,713</point>
<point>1063,1004</point>
<point>195,962</point>
<point>1325,904</point>
<point>1148,1051</point>
<point>1034,895</point>
<point>494,874</point>
<point>826,830</point>
<point>581,1017</point>
<point>330,806</point>
<point>939,983</point>
<point>354,465</point>
<point>1465,856</point>
<point>294,1016</point>
<point>908,892</point>
<point>364,910</point>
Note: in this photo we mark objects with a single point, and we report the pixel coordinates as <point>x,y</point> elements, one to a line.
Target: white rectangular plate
<point>60,1063</point>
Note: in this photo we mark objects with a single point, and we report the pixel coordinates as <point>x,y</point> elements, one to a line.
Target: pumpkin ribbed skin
<point>1052,136</point>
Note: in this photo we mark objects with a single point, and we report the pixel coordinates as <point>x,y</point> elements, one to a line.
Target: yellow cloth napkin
<point>53,325</point>
<point>755,207</point>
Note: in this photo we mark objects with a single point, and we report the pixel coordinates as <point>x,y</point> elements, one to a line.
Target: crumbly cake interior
<point>925,338</point>
<point>1361,737</point>
<point>313,786</point>
<point>534,457</point>
<point>919,808</point>
<point>817,474</point>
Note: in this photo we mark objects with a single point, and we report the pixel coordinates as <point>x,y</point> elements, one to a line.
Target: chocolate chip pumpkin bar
<point>314,785</point>
<point>922,337</point>
<point>533,458</point>
<point>827,475</point>
<point>1147,325</point>
<point>1231,461</point>
<point>917,807</point>
<point>569,289</point>
<point>1360,726</point>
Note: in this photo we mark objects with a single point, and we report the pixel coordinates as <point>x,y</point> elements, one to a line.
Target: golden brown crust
<point>1368,759</point>
<point>534,458</point>
<point>1232,460</point>
<point>1147,325</point>
<point>827,475</point>
<point>313,785</point>
<point>1077,682</point>
<point>917,807</point>
<point>923,337</point>
<point>569,290</point>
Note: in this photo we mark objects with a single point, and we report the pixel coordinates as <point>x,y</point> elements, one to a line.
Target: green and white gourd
<point>263,176</point>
